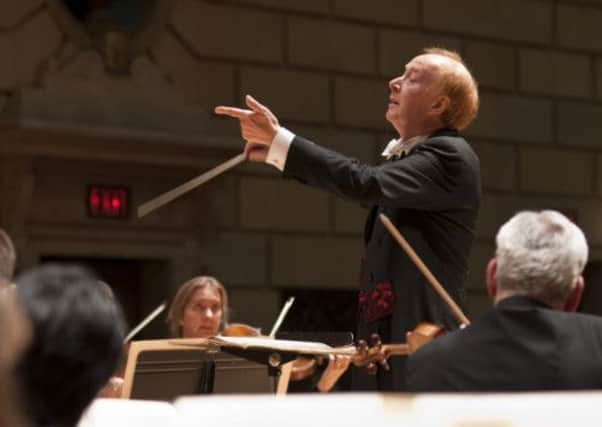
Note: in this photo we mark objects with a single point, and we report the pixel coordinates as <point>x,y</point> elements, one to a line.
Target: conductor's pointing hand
<point>258,126</point>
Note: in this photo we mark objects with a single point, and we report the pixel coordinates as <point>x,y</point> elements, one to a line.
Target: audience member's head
<point>540,255</point>
<point>8,258</point>
<point>199,309</point>
<point>77,339</point>
<point>15,333</point>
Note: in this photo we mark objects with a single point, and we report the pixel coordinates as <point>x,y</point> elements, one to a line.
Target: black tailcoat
<point>432,195</point>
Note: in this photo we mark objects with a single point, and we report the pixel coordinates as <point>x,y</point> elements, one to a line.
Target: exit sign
<point>108,201</point>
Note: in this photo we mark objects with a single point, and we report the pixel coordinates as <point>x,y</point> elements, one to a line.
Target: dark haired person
<point>77,334</point>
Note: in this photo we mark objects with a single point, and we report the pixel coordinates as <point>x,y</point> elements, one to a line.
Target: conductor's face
<point>413,96</point>
<point>202,314</point>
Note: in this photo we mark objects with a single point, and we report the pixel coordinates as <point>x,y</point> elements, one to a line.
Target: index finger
<point>238,113</point>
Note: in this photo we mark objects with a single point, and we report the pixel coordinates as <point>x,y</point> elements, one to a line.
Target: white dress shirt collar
<point>397,147</point>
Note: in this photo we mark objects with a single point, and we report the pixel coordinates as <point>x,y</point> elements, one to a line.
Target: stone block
<point>394,12</point>
<point>515,20</point>
<point>219,201</point>
<point>498,165</point>
<point>579,27</point>
<point>355,144</point>
<point>61,187</point>
<point>496,210</point>
<point>598,78</point>
<point>349,217</point>
<point>35,42</point>
<point>599,175</point>
<point>331,45</point>
<point>361,102</point>
<point>223,31</point>
<point>482,251</point>
<point>477,303</point>
<point>555,171</point>
<point>513,118</point>
<point>278,204</point>
<point>290,94</point>
<point>312,6</point>
<point>492,65</point>
<point>584,211</point>
<point>7,71</point>
<point>237,259</point>
<point>579,124</point>
<point>255,307</point>
<point>587,214</point>
<point>316,262</point>
<point>555,73</point>
<point>13,12</point>
<point>397,48</point>
<point>202,82</point>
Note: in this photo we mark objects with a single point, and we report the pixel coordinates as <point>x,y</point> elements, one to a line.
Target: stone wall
<point>323,66</point>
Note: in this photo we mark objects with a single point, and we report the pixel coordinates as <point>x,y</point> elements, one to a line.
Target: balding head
<point>458,84</point>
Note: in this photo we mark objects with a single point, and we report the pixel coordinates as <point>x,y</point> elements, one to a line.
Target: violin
<point>424,331</point>
<point>422,334</point>
<point>368,356</point>
<point>240,330</point>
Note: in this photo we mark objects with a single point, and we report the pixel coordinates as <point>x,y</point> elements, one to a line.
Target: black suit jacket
<point>520,345</point>
<point>432,195</point>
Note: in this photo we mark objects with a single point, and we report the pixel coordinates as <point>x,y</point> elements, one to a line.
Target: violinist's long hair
<point>183,296</point>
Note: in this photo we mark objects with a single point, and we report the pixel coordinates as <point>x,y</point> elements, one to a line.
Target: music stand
<point>165,369</point>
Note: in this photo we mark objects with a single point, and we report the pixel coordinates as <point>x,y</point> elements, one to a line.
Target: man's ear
<point>574,298</point>
<point>440,105</point>
<point>491,279</point>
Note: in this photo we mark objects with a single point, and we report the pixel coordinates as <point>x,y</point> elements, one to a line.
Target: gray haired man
<point>531,339</point>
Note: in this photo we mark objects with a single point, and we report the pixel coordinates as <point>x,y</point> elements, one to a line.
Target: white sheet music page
<point>303,347</point>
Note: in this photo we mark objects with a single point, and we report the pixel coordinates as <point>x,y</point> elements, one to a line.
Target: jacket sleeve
<point>423,371</point>
<point>426,179</point>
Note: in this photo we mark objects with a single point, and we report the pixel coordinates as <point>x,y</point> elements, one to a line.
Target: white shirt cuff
<point>278,151</point>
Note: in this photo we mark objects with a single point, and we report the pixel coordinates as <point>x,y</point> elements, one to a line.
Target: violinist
<point>429,185</point>
<point>199,309</point>
<point>530,340</point>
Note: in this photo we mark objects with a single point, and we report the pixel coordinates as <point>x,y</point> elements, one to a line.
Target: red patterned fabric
<point>378,302</point>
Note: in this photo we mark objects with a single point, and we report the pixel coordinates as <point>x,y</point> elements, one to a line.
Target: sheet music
<point>301,347</point>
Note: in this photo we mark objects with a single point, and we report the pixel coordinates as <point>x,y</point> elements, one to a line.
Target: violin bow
<point>145,322</point>
<point>287,306</point>
<point>162,199</point>
<point>456,310</point>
